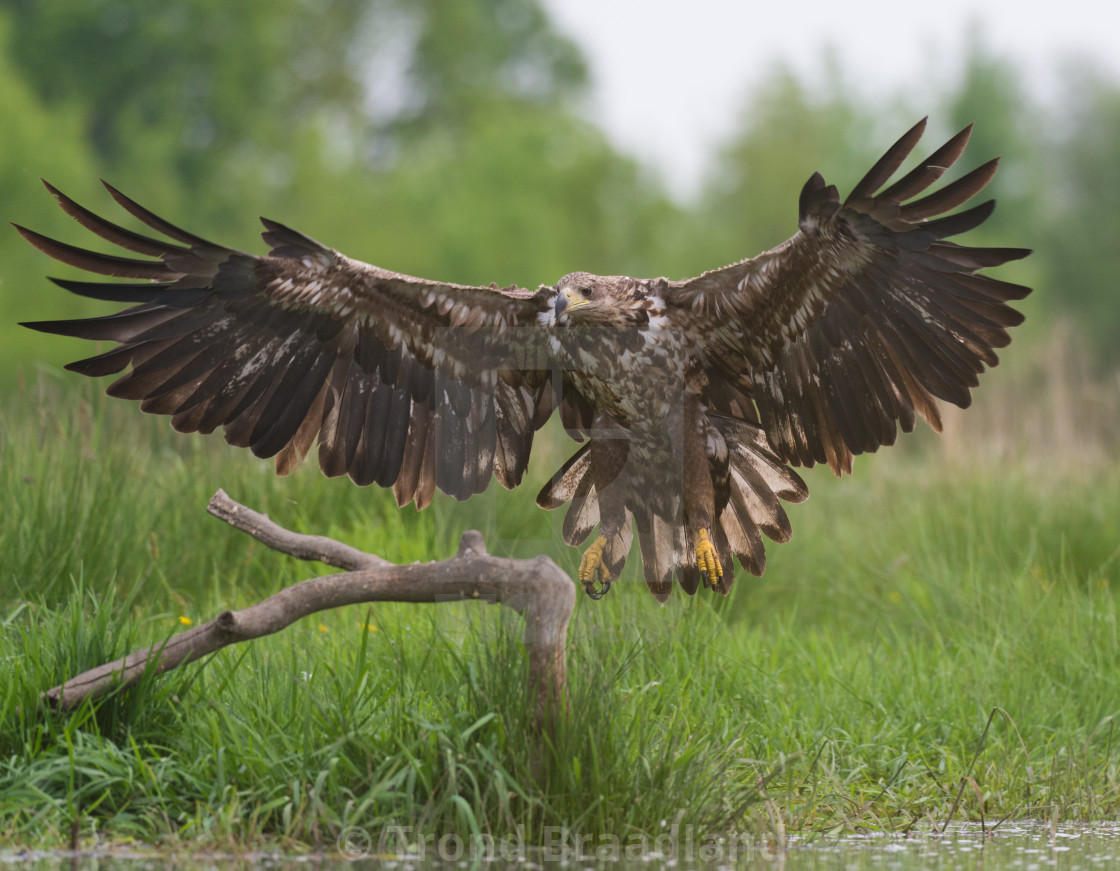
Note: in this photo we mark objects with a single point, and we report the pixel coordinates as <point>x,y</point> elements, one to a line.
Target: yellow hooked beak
<point>568,300</point>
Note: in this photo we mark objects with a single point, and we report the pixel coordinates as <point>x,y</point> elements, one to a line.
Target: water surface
<point>1027,846</point>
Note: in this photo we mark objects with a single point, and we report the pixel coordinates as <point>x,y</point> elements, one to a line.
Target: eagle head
<point>586,299</point>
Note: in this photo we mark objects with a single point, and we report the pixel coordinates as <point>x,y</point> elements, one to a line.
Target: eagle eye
<point>586,291</point>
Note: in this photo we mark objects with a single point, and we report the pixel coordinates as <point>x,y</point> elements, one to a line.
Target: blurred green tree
<point>33,137</point>
<point>1081,264</point>
<point>213,92</point>
<point>191,88</point>
<point>790,127</point>
<point>451,62</point>
<point>523,196</point>
<point>989,92</point>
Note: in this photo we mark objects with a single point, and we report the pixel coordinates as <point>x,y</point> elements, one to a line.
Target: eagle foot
<point>707,561</point>
<point>592,569</point>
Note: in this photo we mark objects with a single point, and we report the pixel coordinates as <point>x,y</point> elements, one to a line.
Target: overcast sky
<point>670,76</point>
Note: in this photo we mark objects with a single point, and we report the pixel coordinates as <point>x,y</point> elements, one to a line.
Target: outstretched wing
<point>863,318</point>
<point>405,382</point>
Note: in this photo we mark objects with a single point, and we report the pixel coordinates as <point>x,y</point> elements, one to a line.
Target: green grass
<point>928,626</point>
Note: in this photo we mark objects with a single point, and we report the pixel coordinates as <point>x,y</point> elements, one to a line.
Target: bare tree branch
<point>536,588</point>
<point>306,547</point>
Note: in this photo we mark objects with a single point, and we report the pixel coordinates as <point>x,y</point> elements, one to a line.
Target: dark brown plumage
<point>693,398</point>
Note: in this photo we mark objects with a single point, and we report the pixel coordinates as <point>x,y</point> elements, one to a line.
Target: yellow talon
<point>707,561</point>
<point>592,569</point>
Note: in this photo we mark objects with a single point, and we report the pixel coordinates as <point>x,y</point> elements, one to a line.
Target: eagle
<point>692,401</point>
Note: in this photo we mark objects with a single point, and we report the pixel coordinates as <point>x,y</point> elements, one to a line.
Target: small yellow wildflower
<point>186,621</point>
<point>323,628</point>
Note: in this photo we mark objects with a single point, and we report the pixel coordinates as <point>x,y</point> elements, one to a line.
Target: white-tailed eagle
<point>692,399</point>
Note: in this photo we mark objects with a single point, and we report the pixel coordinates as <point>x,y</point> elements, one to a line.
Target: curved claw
<point>592,569</point>
<point>711,571</point>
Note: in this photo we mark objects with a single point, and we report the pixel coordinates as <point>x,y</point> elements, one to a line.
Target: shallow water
<point>1027,846</point>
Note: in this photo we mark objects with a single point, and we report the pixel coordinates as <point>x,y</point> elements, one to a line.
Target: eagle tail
<point>758,482</point>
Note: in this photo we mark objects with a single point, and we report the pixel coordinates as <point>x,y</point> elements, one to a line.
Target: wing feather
<point>405,487</point>
<point>450,448</point>
<point>928,171</point>
<point>107,229</point>
<point>888,164</point>
<point>952,195</point>
<point>282,417</point>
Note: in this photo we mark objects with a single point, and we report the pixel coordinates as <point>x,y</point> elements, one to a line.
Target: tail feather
<point>684,558</point>
<point>738,526</point>
<point>749,448</point>
<point>563,485</point>
<point>658,551</point>
<point>574,483</point>
<point>759,482</point>
<point>618,547</point>
<point>764,506</point>
<point>583,513</point>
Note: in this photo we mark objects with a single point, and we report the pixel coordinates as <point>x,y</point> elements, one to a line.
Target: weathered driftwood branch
<point>536,588</point>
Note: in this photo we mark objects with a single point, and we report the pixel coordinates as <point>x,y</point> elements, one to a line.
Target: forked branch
<point>536,588</point>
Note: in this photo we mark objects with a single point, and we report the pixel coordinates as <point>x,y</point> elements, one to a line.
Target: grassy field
<point>939,639</point>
